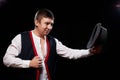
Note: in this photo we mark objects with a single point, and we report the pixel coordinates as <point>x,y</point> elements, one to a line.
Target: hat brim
<point>98,36</point>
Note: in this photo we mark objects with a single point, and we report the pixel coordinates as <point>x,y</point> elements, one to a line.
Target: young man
<point>34,53</point>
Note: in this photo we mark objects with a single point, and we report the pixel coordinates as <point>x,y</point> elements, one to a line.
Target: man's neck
<point>37,34</point>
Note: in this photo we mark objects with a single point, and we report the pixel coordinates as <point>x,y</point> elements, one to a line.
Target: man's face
<point>44,26</point>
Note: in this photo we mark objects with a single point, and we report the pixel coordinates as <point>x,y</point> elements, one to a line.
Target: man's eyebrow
<point>49,23</point>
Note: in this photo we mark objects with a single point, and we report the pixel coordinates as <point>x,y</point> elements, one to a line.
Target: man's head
<point>46,13</point>
<point>43,20</point>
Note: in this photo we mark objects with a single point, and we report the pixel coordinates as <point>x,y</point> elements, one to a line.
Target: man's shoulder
<point>50,37</point>
<point>24,32</point>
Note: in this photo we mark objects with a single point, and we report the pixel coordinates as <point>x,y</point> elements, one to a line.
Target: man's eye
<point>47,23</point>
<point>51,24</point>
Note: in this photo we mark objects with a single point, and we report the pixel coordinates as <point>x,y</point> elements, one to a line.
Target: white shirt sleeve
<point>12,51</point>
<point>70,53</point>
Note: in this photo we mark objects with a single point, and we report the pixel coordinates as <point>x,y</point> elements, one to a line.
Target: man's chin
<point>46,34</point>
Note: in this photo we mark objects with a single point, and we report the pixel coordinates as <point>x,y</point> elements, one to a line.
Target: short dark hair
<point>43,13</point>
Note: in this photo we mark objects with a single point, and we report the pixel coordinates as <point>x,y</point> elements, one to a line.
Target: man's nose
<point>50,26</point>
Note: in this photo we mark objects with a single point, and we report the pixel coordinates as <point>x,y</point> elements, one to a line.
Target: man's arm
<point>70,53</point>
<point>13,50</point>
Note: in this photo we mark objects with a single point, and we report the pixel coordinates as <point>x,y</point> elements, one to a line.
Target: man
<point>34,53</point>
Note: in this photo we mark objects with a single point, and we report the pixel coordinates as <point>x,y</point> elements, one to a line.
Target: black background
<point>74,21</point>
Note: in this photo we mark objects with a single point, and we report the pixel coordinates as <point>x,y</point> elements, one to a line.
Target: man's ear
<point>36,22</point>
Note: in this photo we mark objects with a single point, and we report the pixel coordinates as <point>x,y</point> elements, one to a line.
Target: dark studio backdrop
<point>74,22</point>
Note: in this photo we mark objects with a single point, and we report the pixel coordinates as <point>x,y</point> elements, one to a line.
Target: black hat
<point>98,36</point>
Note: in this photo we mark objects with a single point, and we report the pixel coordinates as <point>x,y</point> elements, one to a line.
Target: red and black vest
<point>28,51</point>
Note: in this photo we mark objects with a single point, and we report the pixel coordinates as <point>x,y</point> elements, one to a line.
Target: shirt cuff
<point>26,63</point>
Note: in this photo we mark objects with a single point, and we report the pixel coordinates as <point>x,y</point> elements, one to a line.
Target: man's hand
<point>36,62</point>
<point>96,49</point>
